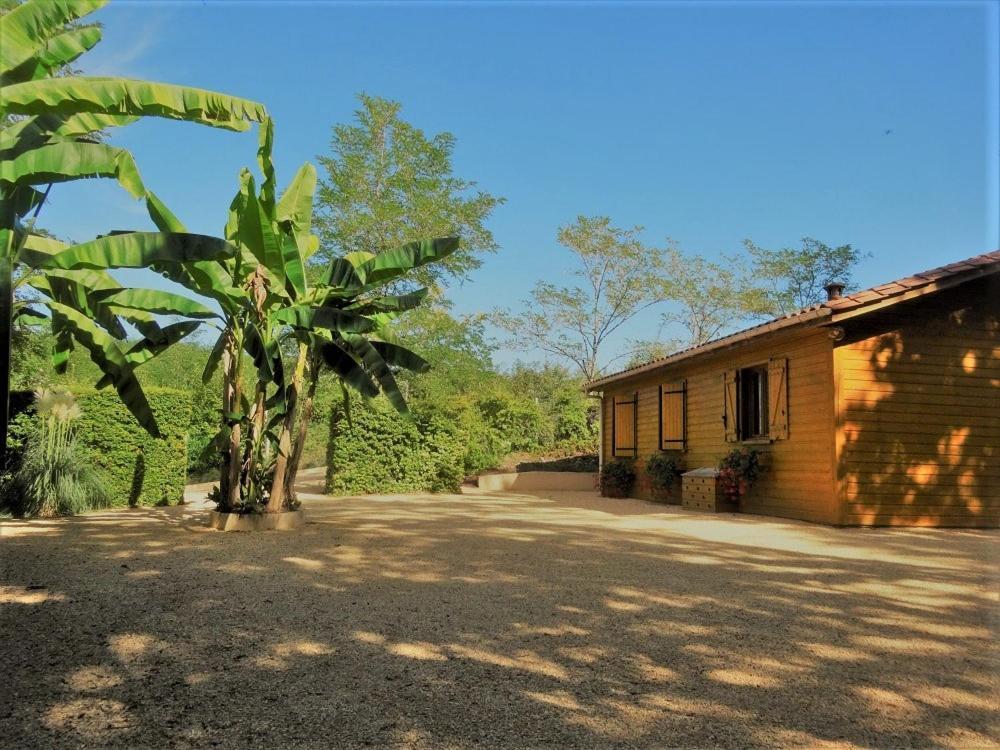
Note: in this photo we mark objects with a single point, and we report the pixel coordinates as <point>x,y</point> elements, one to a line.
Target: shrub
<point>519,421</point>
<point>51,478</point>
<point>380,451</point>
<point>663,470</point>
<point>136,468</point>
<point>617,477</point>
<point>738,470</point>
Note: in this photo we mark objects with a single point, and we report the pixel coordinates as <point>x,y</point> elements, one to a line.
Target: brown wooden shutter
<point>623,426</point>
<point>777,399</point>
<point>729,417</point>
<point>673,416</point>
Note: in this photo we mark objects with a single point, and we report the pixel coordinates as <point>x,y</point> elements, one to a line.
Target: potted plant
<point>664,472</point>
<point>738,470</point>
<point>617,477</point>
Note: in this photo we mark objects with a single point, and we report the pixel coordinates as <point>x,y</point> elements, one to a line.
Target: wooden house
<point>880,407</point>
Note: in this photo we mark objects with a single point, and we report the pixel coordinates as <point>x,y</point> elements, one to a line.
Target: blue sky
<point>704,123</point>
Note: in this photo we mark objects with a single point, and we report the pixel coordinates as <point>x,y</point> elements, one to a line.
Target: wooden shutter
<point>673,416</point>
<point>730,418</point>
<point>623,426</point>
<point>777,399</point>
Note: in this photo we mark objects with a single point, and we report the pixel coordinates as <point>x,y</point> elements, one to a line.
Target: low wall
<point>539,480</point>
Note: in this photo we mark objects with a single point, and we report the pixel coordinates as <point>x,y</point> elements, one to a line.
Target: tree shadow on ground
<point>495,620</point>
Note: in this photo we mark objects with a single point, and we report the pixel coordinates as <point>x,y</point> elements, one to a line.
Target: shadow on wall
<point>496,621</point>
<point>921,411</point>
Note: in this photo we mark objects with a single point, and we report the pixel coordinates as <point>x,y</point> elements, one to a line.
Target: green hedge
<point>137,469</point>
<point>381,452</point>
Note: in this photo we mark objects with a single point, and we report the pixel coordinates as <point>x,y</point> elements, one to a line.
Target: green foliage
<point>617,277</point>
<point>387,183</point>
<point>793,278</point>
<point>136,468</point>
<point>663,470</point>
<point>52,478</point>
<point>378,451</point>
<point>617,477</point>
<point>518,420</point>
<point>738,470</point>
<point>51,125</point>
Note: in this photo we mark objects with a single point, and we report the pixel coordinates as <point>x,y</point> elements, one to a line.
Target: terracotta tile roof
<point>918,283</point>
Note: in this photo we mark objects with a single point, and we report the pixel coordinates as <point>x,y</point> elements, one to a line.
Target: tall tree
<point>618,277</point>
<point>792,278</point>
<point>705,299</point>
<point>387,183</point>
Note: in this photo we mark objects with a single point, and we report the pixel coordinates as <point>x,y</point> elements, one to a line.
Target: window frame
<point>762,434</point>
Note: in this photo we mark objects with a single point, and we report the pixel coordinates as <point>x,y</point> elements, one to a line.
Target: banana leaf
<point>330,318</point>
<point>122,96</point>
<point>378,368</point>
<point>69,160</point>
<point>389,265</point>
<point>400,356</point>
<point>391,304</point>
<point>105,353</point>
<point>136,250</point>
<point>347,369</point>
<point>26,29</point>
<point>59,50</point>
<point>155,301</point>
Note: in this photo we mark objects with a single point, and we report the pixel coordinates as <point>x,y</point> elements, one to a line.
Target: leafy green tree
<point>618,277</point>
<point>792,278</point>
<point>459,348</point>
<point>708,298</point>
<point>387,183</point>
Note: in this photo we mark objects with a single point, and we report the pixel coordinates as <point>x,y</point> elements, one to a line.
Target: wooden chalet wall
<point>800,481</point>
<point>918,402</point>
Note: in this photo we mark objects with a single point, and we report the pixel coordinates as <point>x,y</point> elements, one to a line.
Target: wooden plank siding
<point>918,411</point>
<point>800,480</point>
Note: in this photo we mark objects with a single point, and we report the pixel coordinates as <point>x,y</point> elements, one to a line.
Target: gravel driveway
<point>495,620</point>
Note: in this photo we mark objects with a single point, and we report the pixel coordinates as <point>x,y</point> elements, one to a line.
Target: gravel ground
<point>494,620</point>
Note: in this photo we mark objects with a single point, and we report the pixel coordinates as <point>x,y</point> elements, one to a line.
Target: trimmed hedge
<point>136,469</point>
<point>381,452</point>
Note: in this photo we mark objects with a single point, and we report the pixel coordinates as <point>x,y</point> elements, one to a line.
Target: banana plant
<point>49,134</point>
<point>266,301</point>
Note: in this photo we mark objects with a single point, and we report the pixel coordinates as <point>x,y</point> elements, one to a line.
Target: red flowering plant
<point>737,472</point>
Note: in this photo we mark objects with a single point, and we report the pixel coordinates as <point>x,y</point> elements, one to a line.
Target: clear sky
<point>706,123</point>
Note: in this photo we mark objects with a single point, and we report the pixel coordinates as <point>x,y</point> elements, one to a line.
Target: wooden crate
<point>701,491</point>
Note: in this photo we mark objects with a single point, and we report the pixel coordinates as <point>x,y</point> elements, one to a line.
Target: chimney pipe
<point>834,290</point>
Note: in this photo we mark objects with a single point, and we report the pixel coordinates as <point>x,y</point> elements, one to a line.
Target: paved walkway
<point>494,620</point>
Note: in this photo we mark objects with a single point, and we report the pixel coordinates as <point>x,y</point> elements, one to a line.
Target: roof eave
<point>812,317</point>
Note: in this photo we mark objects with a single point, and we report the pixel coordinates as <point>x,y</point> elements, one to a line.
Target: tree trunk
<point>6,323</point>
<point>300,439</point>
<point>276,501</point>
<point>229,488</point>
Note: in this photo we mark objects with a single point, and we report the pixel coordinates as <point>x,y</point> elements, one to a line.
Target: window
<point>756,402</point>
<point>673,416</point>
<point>751,405</point>
<point>623,425</point>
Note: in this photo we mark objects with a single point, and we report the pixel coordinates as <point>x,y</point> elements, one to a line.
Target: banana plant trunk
<point>300,438</point>
<point>279,490</point>
<point>230,480</point>
<point>6,324</point>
